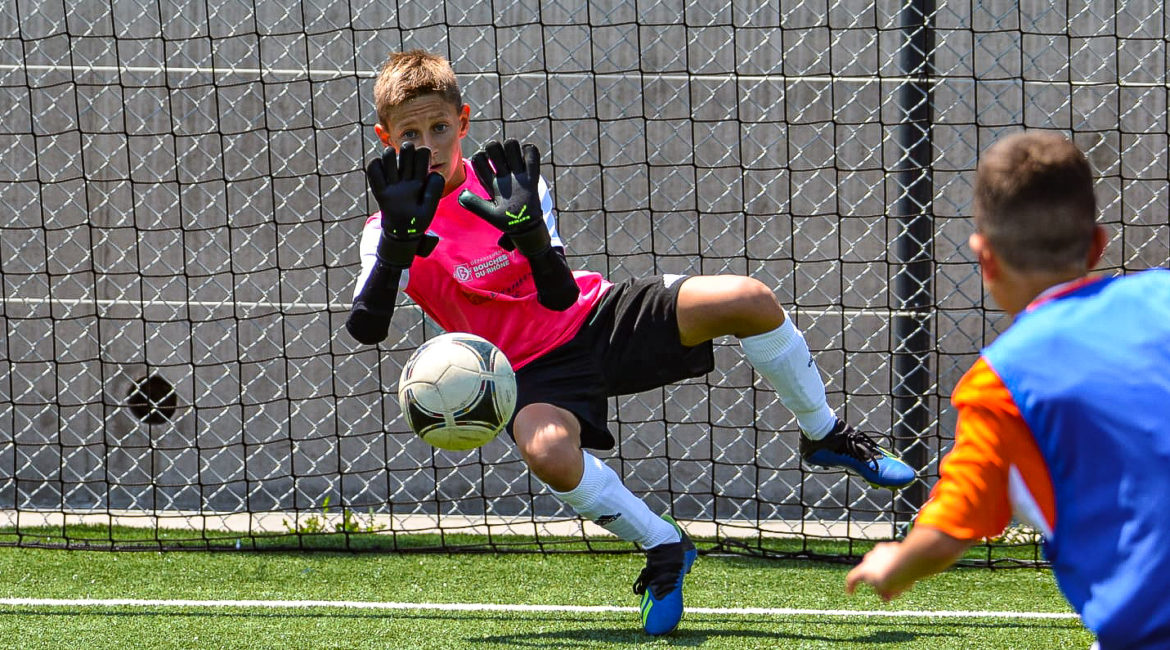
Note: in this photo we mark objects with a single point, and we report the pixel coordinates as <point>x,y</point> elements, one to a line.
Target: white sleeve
<point>550,216</point>
<point>368,249</point>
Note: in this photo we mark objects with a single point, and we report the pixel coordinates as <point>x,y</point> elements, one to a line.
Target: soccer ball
<point>457,391</point>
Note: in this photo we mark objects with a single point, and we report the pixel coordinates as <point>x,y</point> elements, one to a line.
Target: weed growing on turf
<point>349,522</point>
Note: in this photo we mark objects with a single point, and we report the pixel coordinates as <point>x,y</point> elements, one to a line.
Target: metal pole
<point>913,249</point>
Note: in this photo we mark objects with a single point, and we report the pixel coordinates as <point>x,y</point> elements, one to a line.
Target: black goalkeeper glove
<point>511,176</point>
<point>407,196</point>
<point>512,180</point>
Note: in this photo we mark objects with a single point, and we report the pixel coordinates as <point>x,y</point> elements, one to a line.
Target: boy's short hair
<point>1035,203</point>
<point>407,75</point>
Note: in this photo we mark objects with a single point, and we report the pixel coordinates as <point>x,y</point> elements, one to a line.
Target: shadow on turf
<point>697,634</point>
<point>686,636</point>
<point>623,629</point>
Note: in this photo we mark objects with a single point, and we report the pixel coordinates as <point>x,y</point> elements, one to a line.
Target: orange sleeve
<point>973,498</point>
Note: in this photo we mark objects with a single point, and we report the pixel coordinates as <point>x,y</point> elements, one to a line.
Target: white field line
<point>495,607</point>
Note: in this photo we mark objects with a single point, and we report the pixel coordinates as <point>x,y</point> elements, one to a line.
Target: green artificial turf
<point>518,579</point>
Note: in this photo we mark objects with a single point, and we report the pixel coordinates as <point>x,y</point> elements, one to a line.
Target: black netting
<point>183,189</point>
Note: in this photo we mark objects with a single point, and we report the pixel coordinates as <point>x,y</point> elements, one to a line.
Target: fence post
<point>913,248</point>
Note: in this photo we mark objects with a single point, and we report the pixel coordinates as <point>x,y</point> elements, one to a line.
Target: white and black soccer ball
<point>457,391</point>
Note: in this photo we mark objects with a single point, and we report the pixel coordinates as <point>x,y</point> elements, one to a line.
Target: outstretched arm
<point>407,196</point>
<point>971,500</point>
<point>373,306</point>
<point>511,175</point>
<point>891,568</point>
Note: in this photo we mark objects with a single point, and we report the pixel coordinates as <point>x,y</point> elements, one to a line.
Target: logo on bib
<point>481,267</point>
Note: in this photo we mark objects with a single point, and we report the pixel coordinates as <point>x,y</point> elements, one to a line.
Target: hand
<point>878,569</point>
<point>511,176</point>
<point>408,197</point>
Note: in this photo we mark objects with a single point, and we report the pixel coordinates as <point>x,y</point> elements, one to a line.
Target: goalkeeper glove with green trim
<point>511,176</point>
<point>408,196</point>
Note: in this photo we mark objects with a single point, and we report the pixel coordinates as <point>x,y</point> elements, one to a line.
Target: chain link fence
<point>185,195</point>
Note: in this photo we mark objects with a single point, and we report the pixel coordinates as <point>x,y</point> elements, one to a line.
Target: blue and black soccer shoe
<point>857,453</point>
<point>661,582</point>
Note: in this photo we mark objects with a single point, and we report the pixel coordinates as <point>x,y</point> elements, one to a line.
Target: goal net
<point>183,193</point>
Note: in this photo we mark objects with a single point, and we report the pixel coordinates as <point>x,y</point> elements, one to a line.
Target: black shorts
<point>629,343</point>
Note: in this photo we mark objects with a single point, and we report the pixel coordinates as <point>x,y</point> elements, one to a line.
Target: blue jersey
<point>1089,370</point>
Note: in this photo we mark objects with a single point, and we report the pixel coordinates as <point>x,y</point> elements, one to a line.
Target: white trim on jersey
<point>550,216</point>
<point>1024,504</point>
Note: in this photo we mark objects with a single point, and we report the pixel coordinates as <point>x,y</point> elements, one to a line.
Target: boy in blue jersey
<point>1064,421</point>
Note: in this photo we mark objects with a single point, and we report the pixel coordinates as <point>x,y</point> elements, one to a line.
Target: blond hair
<point>1035,203</point>
<point>407,75</point>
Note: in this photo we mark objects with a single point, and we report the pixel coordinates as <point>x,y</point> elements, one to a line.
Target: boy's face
<point>432,122</point>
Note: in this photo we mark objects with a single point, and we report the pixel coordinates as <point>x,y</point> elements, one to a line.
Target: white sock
<point>601,498</point>
<point>782,357</point>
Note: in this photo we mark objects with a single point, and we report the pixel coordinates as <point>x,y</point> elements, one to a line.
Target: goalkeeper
<point>474,243</point>
<point>1064,421</point>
